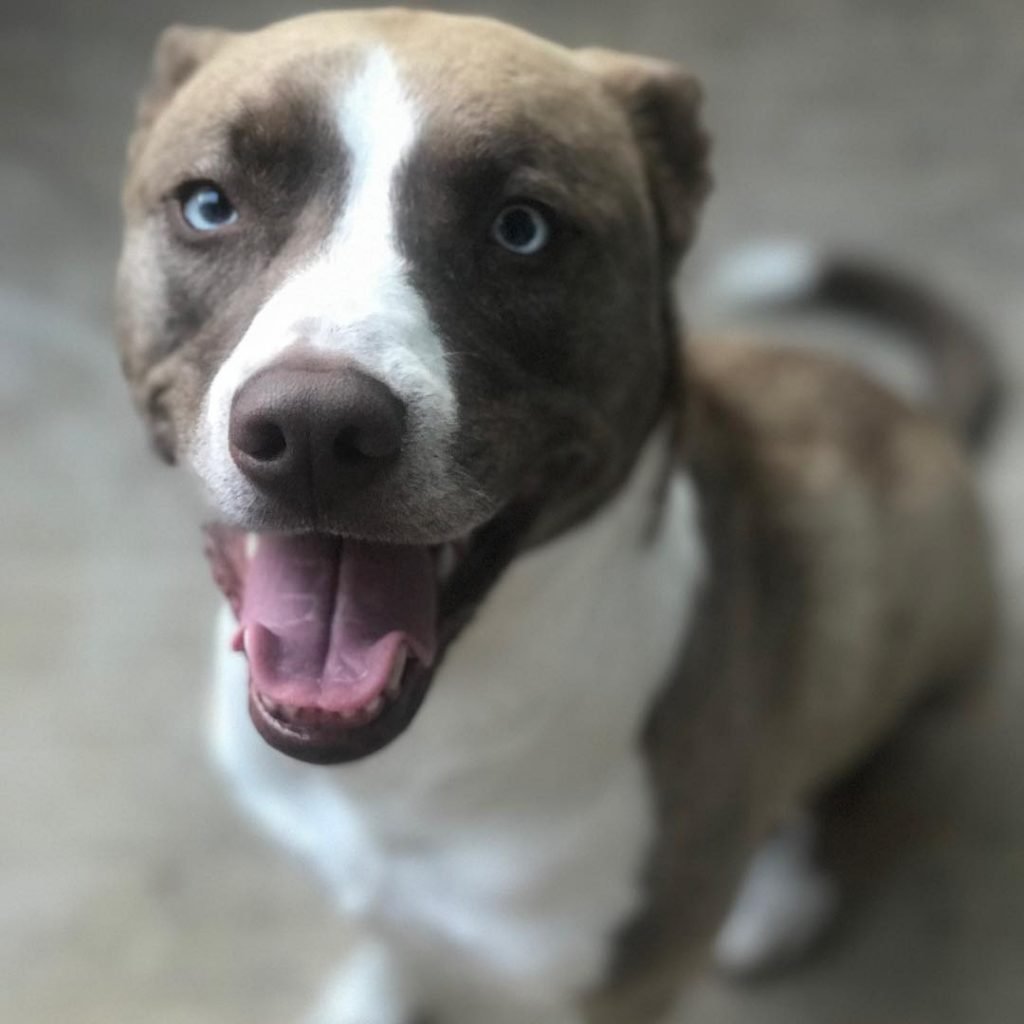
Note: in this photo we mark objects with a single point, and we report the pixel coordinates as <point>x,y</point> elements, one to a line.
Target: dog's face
<point>395,286</point>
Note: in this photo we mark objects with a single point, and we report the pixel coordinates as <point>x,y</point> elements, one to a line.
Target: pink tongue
<point>325,622</point>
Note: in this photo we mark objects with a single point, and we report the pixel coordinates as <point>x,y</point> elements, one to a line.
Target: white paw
<point>783,905</point>
<point>369,989</point>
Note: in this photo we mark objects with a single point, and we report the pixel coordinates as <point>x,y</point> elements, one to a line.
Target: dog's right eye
<point>205,207</point>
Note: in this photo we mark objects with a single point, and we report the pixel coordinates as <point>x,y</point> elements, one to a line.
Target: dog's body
<point>504,841</point>
<point>705,589</point>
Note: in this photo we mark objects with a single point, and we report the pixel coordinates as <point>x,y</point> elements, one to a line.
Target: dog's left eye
<point>521,229</point>
<point>206,208</point>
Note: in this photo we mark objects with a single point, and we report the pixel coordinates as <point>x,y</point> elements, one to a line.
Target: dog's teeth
<point>316,717</point>
<point>395,682</point>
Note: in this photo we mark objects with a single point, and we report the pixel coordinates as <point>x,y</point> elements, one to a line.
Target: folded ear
<point>662,102</point>
<point>180,50</point>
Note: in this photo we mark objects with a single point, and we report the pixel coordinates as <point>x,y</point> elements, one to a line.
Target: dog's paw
<point>785,903</point>
<point>368,989</point>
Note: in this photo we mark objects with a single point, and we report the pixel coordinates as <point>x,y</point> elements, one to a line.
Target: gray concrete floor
<point>130,890</point>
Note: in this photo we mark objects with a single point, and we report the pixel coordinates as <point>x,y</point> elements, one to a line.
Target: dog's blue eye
<point>206,208</point>
<point>521,229</point>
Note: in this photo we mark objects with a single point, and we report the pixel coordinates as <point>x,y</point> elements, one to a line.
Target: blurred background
<point>130,889</point>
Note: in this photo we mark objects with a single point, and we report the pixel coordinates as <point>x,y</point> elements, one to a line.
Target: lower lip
<point>342,742</point>
<point>312,725</point>
<point>314,719</point>
<point>302,721</point>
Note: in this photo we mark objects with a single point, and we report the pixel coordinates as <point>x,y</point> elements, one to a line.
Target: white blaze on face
<point>352,299</point>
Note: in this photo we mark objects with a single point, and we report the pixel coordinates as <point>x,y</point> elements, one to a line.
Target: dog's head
<point>396,286</point>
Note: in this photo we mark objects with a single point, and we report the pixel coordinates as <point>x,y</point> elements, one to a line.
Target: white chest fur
<point>508,826</point>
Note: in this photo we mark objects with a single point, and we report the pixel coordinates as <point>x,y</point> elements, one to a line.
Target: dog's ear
<point>662,102</point>
<point>179,52</point>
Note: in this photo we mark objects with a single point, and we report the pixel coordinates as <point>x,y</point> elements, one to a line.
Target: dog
<point>544,633</point>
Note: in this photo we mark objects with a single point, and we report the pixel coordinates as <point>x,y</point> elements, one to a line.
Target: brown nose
<point>312,432</point>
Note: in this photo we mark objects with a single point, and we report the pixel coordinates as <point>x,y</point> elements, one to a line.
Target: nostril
<point>367,442</point>
<point>347,447</point>
<point>262,440</point>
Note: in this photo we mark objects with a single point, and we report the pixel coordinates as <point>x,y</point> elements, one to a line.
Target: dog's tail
<point>965,376</point>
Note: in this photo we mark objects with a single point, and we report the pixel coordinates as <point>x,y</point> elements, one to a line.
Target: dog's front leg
<point>370,987</point>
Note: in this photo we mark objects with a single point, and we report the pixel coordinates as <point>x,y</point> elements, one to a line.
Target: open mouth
<point>341,635</point>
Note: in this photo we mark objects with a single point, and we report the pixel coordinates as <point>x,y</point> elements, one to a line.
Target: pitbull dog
<point>544,634</point>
